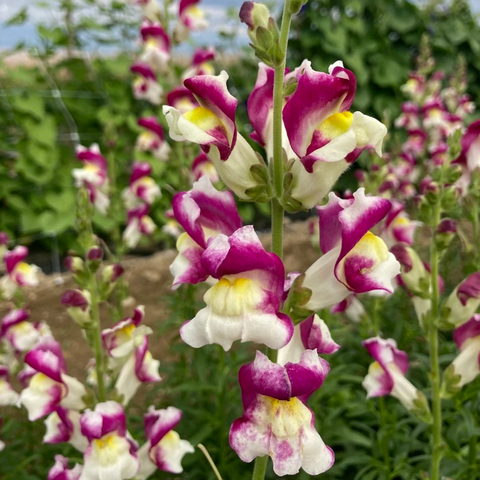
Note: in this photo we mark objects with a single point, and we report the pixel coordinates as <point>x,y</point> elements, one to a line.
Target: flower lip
<point>13,257</point>
<point>202,55</point>
<point>144,70</point>
<point>467,331</point>
<point>12,318</point>
<point>151,123</point>
<point>154,29</point>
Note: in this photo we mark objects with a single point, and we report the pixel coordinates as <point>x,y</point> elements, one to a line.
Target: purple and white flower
<point>93,176</point>
<point>181,99</point>
<point>202,166</point>
<point>18,331</point>
<point>156,46</point>
<point>125,336</point>
<point>462,303</point>
<point>164,449</point>
<point>398,227</point>
<point>50,387</point>
<point>354,259</point>
<point>325,136</point>
<point>138,225</point>
<point>152,139</point>
<point>276,420</point>
<point>352,307</point>
<point>60,470</point>
<point>466,366</point>
<point>145,85</point>
<point>139,368</point>
<point>203,212</point>
<point>110,453</point>
<point>64,426</point>
<point>212,126</point>
<point>79,306</point>
<point>8,396</point>
<point>311,334</point>
<point>19,273</point>
<point>413,271</point>
<point>191,15</point>
<point>142,188</point>
<point>245,302</point>
<point>470,155</point>
<point>386,375</point>
<point>200,63</point>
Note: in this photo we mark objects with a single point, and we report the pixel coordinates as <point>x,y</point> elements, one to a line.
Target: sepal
<point>450,382</point>
<point>421,408</point>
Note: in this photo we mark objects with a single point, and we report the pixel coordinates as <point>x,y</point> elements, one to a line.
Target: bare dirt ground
<point>150,281</point>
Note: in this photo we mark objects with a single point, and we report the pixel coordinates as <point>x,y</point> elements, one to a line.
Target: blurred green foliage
<point>379,40</point>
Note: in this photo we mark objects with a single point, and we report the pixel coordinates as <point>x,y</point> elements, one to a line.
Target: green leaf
<point>19,18</point>
<point>31,104</point>
<point>43,132</point>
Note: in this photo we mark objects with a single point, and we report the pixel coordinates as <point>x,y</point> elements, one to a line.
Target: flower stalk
<point>434,361</point>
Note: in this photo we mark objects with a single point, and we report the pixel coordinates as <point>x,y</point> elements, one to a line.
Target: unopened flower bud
<point>446,230</point>
<point>74,264</point>
<point>413,272</point>
<point>432,192</point>
<point>254,15</point>
<point>94,258</point>
<point>78,303</point>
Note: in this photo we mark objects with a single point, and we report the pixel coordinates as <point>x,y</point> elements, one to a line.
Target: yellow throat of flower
<point>336,124</point>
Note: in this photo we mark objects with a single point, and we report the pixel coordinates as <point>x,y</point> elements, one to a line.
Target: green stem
<point>384,442</point>
<point>476,230</point>
<point>260,468</point>
<point>115,205</point>
<point>375,315</point>
<point>97,340</point>
<point>472,454</point>
<point>434,363</point>
<point>277,208</point>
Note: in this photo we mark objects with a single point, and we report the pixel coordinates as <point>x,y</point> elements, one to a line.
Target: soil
<point>150,281</point>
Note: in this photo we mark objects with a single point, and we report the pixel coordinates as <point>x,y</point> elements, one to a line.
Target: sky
<point>215,10</point>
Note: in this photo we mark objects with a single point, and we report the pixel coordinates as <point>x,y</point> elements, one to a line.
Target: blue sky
<point>11,36</point>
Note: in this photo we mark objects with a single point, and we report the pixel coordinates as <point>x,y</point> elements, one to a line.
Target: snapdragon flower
<point>200,63</point>
<point>181,99</point>
<point>276,420</point>
<point>110,454</point>
<point>50,387</point>
<point>145,86</point>
<point>140,367</point>
<point>245,302</point>
<point>311,334</point>
<point>19,273</point>
<point>398,226</point>
<point>156,46</point>
<point>325,136</point>
<point>164,449</point>
<point>138,225</point>
<point>19,331</point>
<point>469,157</point>
<point>203,212</point>
<point>63,426</point>
<point>212,126</point>
<point>466,366</point>
<point>152,139</point>
<point>191,15</point>
<point>142,188</point>
<point>8,396</point>
<point>354,259</point>
<point>352,307</point>
<point>386,376</point>
<point>203,166</point>
<point>93,176</point>
<point>60,470</point>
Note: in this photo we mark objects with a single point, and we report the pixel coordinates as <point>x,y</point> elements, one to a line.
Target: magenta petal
<point>318,95</point>
<point>205,207</point>
<point>469,288</point>
<point>260,102</point>
<point>330,226</point>
<point>159,422</point>
<point>468,330</point>
<point>107,417</point>
<point>15,256</point>
<point>13,318</point>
